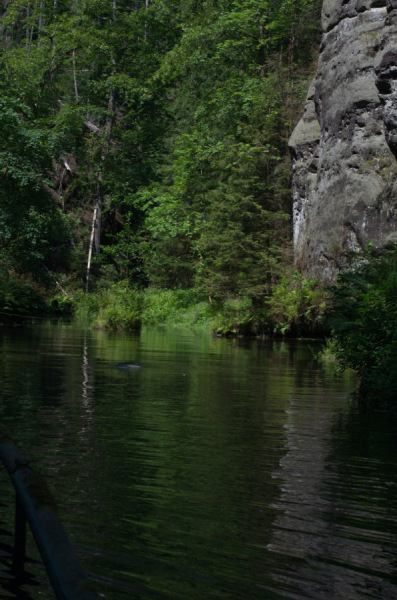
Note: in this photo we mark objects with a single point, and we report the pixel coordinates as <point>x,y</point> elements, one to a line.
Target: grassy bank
<point>294,309</point>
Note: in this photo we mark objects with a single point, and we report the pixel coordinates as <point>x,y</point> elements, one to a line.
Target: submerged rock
<point>129,366</point>
<point>345,146</point>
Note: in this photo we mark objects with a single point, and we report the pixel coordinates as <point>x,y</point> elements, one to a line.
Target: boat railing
<point>34,504</point>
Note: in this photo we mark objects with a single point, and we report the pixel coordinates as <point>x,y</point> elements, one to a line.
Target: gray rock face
<point>344,148</point>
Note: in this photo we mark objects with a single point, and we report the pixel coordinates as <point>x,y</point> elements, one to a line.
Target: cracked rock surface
<point>344,149</point>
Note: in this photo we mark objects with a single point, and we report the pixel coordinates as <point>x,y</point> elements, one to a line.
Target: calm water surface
<point>223,469</point>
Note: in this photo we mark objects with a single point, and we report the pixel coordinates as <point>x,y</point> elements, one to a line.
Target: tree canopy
<point>170,119</point>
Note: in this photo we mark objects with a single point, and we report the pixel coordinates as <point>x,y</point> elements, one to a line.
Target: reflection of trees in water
<point>48,396</point>
<point>88,380</point>
<point>336,531</point>
<point>182,453</point>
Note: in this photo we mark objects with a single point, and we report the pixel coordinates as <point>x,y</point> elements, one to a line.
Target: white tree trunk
<point>94,218</point>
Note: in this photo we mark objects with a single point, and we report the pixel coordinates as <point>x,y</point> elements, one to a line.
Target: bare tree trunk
<point>41,21</point>
<point>55,7</point>
<point>99,206</point>
<point>76,91</point>
<point>41,16</point>
<point>56,282</point>
<point>95,239</point>
<point>27,43</point>
<point>108,139</point>
<point>93,226</point>
<point>146,7</point>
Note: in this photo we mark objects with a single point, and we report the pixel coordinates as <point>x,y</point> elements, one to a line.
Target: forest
<point>144,146</point>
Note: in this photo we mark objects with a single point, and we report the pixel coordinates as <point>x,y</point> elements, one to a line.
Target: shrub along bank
<point>364,324</point>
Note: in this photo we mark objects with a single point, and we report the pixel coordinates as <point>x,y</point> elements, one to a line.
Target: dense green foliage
<point>296,306</point>
<point>364,324</point>
<point>117,307</point>
<point>32,231</point>
<point>19,297</point>
<point>167,120</point>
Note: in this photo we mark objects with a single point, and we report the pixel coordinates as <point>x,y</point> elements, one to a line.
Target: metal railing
<point>34,505</point>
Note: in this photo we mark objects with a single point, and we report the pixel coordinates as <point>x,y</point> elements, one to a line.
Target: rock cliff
<point>344,148</point>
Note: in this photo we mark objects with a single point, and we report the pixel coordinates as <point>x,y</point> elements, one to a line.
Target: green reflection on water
<point>170,478</point>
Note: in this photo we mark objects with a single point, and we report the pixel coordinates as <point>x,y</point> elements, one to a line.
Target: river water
<point>222,469</point>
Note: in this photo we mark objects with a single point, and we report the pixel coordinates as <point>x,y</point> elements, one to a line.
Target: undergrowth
<point>116,307</point>
<point>364,324</point>
<point>294,308</point>
<point>19,297</point>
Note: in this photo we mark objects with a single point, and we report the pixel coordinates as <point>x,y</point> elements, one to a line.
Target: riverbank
<point>295,308</point>
<point>361,314</point>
